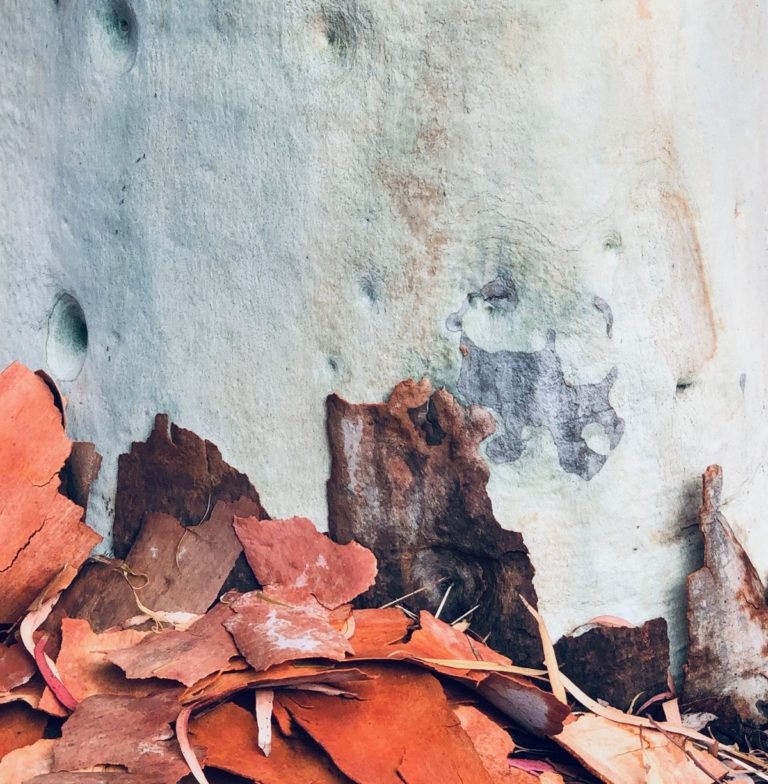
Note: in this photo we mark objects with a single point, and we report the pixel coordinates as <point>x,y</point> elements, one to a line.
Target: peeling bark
<point>407,482</point>
<point>727,670</point>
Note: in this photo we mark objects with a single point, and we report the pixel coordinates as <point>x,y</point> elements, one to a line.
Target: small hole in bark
<point>67,342</point>
<point>112,32</point>
<point>682,385</point>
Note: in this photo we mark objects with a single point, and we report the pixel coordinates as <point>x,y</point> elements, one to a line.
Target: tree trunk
<point>555,210</point>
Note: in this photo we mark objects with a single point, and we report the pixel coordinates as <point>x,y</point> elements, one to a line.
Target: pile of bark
<point>223,646</point>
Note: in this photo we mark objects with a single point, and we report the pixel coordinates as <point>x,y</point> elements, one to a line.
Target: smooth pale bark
<point>257,204</point>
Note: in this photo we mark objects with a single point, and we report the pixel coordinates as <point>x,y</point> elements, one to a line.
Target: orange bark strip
<point>20,726</point>
<point>493,744</point>
<point>230,734</point>
<point>215,688</point>
<point>400,729</point>
<point>515,696</point>
<point>40,529</point>
<point>293,554</point>
<point>185,656</point>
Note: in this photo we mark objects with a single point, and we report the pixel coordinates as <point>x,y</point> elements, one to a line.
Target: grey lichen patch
<point>528,389</point>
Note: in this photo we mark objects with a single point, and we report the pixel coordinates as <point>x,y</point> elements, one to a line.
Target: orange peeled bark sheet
<point>40,529</point>
<point>401,729</point>
<point>20,725</point>
<point>230,735</point>
<point>622,754</point>
<point>436,643</point>
<point>23,763</point>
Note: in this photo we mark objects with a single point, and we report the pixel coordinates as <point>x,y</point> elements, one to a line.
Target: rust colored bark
<point>407,481</point>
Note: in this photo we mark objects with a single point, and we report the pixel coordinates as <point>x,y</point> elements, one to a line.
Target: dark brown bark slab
<point>616,664</point>
<point>407,481</point>
<point>177,473</point>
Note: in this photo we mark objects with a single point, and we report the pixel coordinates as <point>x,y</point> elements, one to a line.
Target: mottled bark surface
<point>408,482</point>
<point>618,664</point>
<point>177,473</point>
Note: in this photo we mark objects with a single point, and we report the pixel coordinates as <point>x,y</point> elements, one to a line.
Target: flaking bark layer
<point>407,481</point>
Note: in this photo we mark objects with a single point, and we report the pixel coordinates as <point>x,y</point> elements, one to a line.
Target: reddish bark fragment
<point>185,656</point>
<point>174,472</point>
<point>215,689</point>
<point>293,554</point>
<point>183,569</point>
<point>726,672</point>
<point>407,482</point>
<point>493,745</point>
<point>230,735</point>
<point>401,729</point>
<point>20,726</point>
<point>99,594</point>
<point>84,664</point>
<point>132,732</point>
<point>268,632</point>
<point>616,664</point>
<point>16,667</point>
<point>40,529</point>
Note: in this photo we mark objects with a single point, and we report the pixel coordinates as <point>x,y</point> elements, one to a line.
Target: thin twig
<point>399,599</point>
<point>443,600</point>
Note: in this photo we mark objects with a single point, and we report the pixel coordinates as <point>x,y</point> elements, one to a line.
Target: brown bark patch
<point>407,482</point>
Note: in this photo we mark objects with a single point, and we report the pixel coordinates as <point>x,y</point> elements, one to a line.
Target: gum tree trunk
<point>228,210</point>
